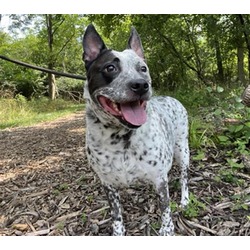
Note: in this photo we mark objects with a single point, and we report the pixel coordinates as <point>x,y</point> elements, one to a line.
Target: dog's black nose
<point>139,86</point>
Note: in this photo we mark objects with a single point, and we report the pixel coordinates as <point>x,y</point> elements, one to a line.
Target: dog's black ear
<point>92,45</point>
<point>135,44</point>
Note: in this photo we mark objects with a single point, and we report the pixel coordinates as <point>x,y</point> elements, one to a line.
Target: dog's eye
<point>110,68</point>
<point>143,68</point>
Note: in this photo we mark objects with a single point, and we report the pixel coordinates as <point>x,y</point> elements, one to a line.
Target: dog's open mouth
<point>132,112</point>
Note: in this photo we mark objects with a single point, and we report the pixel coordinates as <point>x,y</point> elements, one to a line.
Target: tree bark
<point>52,86</point>
<point>51,83</point>
<point>219,60</point>
<point>247,39</point>
<point>240,64</point>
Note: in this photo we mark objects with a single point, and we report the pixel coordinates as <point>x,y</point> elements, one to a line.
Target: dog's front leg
<point>115,208</point>
<point>167,226</point>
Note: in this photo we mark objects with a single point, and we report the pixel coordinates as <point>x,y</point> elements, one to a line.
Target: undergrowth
<point>220,123</point>
<point>217,118</point>
<point>22,112</point>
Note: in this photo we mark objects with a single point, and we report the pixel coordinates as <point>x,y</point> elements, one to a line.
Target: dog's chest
<point>123,158</point>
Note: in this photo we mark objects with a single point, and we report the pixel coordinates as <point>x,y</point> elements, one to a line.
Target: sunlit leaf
<point>219,89</point>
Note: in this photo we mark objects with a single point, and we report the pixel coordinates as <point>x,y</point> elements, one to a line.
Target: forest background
<point>190,52</point>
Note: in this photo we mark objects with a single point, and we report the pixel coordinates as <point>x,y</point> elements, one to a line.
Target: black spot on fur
<point>152,163</point>
<point>126,139</point>
<point>91,115</point>
<point>88,151</point>
<point>97,121</point>
<point>119,218</point>
<point>115,138</point>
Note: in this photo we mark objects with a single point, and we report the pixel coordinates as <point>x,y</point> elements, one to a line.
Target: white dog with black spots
<point>131,136</point>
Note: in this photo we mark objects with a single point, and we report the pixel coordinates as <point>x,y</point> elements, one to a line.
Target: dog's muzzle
<point>132,110</point>
<point>130,113</point>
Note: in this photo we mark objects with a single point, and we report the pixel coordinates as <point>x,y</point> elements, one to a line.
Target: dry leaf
<point>20,227</point>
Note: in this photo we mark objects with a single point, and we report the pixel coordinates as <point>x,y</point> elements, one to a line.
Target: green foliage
<point>241,201</point>
<point>25,81</point>
<point>21,100</point>
<point>237,135</point>
<point>222,120</point>
<point>63,186</point>
<point>233,124</point>
<point>84,217</point>
<point>56,192</point>
<point>156,225</point>
<point>194,207</point>
<point>183,51</point>
<point>199,156</point>
<point>173,206</point>
<point>199,134</point>
<point>31,45</point>
<point>227,175</point>
<point>60,225</point>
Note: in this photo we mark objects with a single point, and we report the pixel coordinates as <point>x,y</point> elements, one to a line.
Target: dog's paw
<point>167,231</point>
<point>118,228</point>
<point>167,226</point>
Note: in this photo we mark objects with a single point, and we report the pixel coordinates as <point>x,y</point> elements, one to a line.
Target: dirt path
<point>47,188</point>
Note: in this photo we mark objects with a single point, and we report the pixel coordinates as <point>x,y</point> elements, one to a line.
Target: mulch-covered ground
<point>47,188</point>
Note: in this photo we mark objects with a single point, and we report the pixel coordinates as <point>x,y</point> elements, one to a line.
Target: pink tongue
<point>134,113</point>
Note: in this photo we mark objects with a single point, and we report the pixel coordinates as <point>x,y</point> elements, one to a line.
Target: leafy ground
<point>47,188</point>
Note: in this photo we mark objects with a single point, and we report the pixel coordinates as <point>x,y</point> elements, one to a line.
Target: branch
<point>242,22</point>
<point>65,44</point>
<point>59,24</point>
<point>43,69</point>
<point>169,41</point>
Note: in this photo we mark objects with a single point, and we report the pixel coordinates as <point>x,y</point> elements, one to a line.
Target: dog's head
<point>118,83</point>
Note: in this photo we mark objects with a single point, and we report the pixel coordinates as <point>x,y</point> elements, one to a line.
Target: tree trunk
<point>240,65</point>
<point>51,77</point>
<point>52,86</point>
<point>247,38</point>
<point>219,60</point>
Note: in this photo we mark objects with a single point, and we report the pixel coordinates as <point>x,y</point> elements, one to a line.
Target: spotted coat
<point>120,153</point>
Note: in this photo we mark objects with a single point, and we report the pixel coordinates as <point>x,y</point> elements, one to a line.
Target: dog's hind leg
<point>167,226</point>
<point>116,211</point>
<point>182,160</point>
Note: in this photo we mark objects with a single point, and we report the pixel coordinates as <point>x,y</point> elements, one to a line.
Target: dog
<point>130,135</point>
